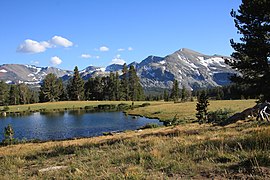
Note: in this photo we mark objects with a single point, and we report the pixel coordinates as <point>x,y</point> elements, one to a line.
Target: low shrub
<point>89,107</point>
<point>106,107</point>
<point>123,106</point>
<point>219,115</point>
<point>150,126</point>
<point>145,104</point>
<point>6,108</point>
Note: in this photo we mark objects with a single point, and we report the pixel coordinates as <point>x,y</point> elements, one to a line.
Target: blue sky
<point>66,33</point>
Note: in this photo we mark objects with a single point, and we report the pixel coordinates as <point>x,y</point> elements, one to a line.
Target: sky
<point>69,33</point>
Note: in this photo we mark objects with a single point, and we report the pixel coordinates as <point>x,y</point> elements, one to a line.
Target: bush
<point>219,115</point>
<point>149,126</point>
<point>145,104</point>
<point>8,136</point>
<point>174,122</point>
<point>106,107</point>
<point>123,106</point>
<point>89,107</point>
<point>6,108</point>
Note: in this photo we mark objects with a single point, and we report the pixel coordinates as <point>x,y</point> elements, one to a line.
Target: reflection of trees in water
<point>53,114</point>
<point>77,112</point>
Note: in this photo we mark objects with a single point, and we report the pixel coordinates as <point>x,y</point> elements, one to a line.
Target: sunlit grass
<point>64,104</point>
<point>187,111</point>
<point>187,151</point>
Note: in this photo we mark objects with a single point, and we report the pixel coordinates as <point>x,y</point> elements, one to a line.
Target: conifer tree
<point>117,87</point>
<point>75,86</point>
<point>175,91</point>
<point>51,88</point>
<point>135,88</point>
<point>124,84</point>
<point>201,107</point>
<point>34,97</point>
<point>252,55</point>
<point>4,92</point>
<point>8,135</point>
<point>111,87</point>
<point>184,94</point>
<point>14,95</point>
<point>165,95</point>
<point>24,94</point>
<point>89,89</point>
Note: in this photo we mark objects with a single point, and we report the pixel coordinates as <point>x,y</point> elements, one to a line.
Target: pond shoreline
<point>74,124</point>
<point>100,107</point>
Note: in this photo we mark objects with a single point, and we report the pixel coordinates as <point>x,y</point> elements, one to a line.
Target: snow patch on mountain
<point>3,70</point>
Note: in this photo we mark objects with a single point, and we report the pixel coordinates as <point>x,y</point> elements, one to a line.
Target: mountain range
<point>192,69</point>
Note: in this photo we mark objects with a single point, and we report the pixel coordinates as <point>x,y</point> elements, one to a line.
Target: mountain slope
<point>28,74</point>
<point>192,69</point>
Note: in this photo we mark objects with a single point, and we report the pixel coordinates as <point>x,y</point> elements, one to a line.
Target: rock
<point>53,168</point>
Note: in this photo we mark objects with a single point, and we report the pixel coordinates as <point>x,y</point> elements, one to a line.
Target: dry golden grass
<point>187,151</point>
<point>187,111</point>
<point>66,104</point>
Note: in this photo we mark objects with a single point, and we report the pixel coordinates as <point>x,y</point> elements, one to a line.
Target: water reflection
<point>70,124</point>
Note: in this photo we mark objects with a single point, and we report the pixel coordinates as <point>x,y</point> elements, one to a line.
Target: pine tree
<point>51,88</point>
<point>252,55</point>
<point>111,87</point>
<point>24,94</point>
<point>124,85</point>
<point>34,97</point>
<point>14,95</point>
<point>165,95</point>
<point>117,87</point>
<point>184,94</point>
<point>4,92</point>
<point>135,88</point>
<point>75,86</point>
<point>201,107</point>
<point>98,88</point>
<point>88,89</point>
<point>63,96</point>
<point>175,91</point>
<point>8,135</point>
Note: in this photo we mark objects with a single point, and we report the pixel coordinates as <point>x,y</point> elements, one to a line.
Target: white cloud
<point>60,41</point>
<point>104,48</point>
<point>35,62</point>
<point>31,46</point>
<point>86,56</point>
<point>121,49</point>
<point>130,48</point>
<point>56,61</point>
<point>118,60</point>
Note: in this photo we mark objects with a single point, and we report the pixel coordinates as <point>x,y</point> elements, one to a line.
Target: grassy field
<point>188,151</point>
<point>63,105</point>
<point>186,111</point>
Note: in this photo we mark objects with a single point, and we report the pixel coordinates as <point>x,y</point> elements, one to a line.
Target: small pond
<point>70,124</point>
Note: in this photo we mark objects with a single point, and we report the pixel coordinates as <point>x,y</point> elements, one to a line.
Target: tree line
<point>126,87</point>
<point>113,87</point>
<point>17,94</point>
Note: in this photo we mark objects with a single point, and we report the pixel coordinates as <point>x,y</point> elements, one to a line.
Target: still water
<point>70,124</point>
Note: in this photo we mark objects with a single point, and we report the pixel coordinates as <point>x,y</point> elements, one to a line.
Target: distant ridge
<point>192,69</point>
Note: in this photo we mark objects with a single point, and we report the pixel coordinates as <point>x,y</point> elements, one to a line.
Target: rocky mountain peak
<point>192,69</point>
